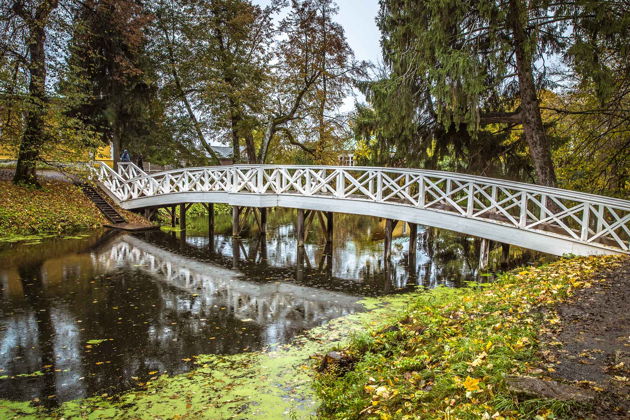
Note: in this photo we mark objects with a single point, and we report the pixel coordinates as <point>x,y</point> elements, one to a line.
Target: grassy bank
<point>448,356</point>
<point>57,208</point>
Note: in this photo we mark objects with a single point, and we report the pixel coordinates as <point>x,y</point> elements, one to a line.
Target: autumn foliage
<point>448,356</point>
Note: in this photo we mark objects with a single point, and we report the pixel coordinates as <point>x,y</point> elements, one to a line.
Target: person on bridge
<point>125,156</point>
<point>139,163</point>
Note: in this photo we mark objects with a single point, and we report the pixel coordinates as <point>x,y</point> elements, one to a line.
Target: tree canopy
<point>464,73</point>
<point>530,90</point>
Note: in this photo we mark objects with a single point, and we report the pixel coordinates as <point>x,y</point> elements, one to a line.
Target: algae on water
<point>267,384</point>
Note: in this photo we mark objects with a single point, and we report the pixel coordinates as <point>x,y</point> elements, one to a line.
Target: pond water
<point>104,313</point>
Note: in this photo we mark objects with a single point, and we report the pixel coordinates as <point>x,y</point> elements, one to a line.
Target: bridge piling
<point>173,212</point>
<point>299,264</point>
<point>413,246</point>
<point>329,227</point>
<point>505,252</point>
<point>236,251</point>
<point>210,207</point>
<point>182,216</point>
<point>484,254</point>
<point>263,221</point>
<point>300,228</point>
<point>390,225</point>
<point>236,229</point>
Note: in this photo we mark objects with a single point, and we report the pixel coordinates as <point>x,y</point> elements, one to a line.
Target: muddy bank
<point>590,346</point>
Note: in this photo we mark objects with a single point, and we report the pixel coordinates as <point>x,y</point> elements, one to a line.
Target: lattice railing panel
<point>579,217</point>
<point>129,170</point>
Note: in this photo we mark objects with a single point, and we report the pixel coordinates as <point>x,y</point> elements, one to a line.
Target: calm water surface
<point>101,314</point>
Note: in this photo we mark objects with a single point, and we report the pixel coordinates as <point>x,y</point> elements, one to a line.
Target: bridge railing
<point>129,170</point>
<point>581,217</point>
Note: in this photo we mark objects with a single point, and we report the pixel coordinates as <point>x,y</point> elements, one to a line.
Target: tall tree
<point>34,18</point>
<point>217,59</point>
<point>474,63</point>
<point>244,81</point>
<point>110,67</point>
<point>315,71</point>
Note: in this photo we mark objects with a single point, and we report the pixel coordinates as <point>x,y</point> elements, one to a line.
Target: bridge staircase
<point>107,209</point>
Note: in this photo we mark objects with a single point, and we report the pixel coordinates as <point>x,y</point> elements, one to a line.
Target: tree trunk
<point>532,121</point>
<point>236,146</point>
<point>269,133</point>
<point>238,130</point>
<point>251,148</point>
<point>34,135</point>
<point>117,146</point>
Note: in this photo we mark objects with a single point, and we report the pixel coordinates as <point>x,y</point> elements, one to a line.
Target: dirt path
<point>591,346</point>
<point>7,175</point>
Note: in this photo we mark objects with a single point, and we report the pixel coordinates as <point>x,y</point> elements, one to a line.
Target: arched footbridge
<point>550,220</point>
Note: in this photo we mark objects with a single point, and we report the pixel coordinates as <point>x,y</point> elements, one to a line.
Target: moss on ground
<point>450,353</point>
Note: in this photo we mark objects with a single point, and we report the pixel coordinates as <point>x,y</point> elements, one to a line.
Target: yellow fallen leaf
<point>471,384</point>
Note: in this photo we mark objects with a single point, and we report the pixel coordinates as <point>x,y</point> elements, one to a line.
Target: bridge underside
<point>539,241</point>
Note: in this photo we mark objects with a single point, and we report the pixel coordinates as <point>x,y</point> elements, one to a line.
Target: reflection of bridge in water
<point>275,305</point>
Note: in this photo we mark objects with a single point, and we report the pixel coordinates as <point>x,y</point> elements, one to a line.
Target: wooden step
<point>108,211</point>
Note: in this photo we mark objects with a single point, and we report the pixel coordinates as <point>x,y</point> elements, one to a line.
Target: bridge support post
<point>390,225</point>
<point>236,251</point>
<point>149,213</point>
<point>300,228</point>
<point>329,227</point>
<point>484,254</point>
<point>263,221</point>
<point>505,252</point>
<point>413,246</point>
<point>236,229</point>
<point>173,212</point>
<point>299,264</point>
<point>210,207</point>
<point>263,250</point>
<point>182,216</point>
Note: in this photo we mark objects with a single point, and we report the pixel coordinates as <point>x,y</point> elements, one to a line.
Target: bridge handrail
<point>586,218</point>
<point>564,193</point>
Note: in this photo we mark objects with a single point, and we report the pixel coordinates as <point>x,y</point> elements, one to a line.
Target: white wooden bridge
<point>545,219</point>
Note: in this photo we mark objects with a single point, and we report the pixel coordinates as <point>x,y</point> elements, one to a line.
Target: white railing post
<point>260,180</point>
<point>422,192</point>
<point>543,206</point>
<point>470,204</point>
<point>340,188</point>
<point>523,210</point>
<point>371,183</point>
<point>585,221</point>
<point>307,181</point>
